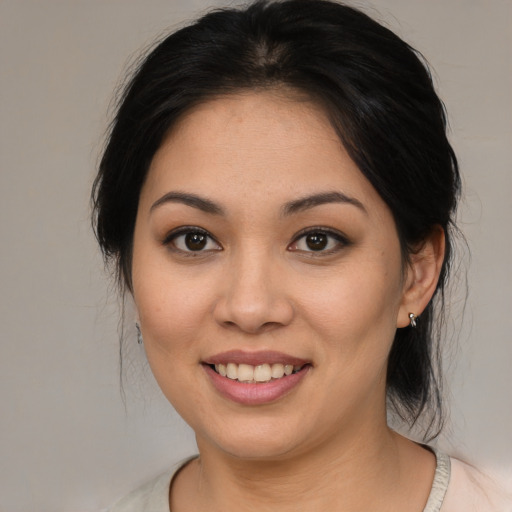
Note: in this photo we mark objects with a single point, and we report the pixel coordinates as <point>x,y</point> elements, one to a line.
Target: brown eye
<point>196,241</point>
<point>317,241</point>
<point>190,240</point>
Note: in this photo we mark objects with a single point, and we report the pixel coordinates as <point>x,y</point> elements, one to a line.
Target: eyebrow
<point>305,203</point>
<point>290,208</point>
<point>188,199</point>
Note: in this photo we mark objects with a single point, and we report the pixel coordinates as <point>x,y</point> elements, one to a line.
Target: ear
<point>422,275</point>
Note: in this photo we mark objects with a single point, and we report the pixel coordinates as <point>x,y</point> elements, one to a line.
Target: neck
<point>357,473</point>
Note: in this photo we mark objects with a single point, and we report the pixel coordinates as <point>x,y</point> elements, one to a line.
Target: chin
<point>252,450</point>
<point>262,441</point>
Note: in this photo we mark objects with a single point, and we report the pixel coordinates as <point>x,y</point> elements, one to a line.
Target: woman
<point>278,195</point>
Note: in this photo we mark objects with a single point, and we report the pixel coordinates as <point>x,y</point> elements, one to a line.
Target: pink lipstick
<point>255,378</point>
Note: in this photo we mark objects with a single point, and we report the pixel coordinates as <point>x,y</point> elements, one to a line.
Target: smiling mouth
<point>261,373</point>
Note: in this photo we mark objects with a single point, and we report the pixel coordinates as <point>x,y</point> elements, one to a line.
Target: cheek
<point>171,303</point>
<point>170,312</point>
<point>359,304</point>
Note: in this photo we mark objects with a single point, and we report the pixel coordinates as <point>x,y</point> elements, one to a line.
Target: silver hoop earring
<point>139,334</point>
<point>412,318</point>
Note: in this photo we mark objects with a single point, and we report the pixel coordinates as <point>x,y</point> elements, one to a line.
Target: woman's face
<point>260,247</point>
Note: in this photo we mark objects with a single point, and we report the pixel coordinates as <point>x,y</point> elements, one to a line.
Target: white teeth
<point>232,371</point>
<point>277,370</point>
<point>245,373</point>
<point>261,373</point>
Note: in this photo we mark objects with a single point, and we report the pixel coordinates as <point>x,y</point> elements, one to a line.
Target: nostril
<point>253,329</point>
<point>228,324</point>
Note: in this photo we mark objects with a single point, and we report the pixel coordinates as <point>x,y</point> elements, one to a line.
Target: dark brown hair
<point>379,96</point>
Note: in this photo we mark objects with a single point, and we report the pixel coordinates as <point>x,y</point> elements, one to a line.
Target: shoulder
<point>152,496</point>
<point>471,490</point>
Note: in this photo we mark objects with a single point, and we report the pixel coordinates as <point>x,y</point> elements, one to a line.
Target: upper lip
<point>255,358</point>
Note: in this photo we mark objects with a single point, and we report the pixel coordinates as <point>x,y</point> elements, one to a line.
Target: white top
<point>457,487</point>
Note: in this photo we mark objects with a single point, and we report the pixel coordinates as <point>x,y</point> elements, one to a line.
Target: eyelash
<point>341,241</point>
<point>170,240</point>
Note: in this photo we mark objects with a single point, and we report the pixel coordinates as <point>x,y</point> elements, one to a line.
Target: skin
<point>258,286</point>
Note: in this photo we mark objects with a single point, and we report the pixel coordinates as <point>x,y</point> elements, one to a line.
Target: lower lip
<point>255,393</point>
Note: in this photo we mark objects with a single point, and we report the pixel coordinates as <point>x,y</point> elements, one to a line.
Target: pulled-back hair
<point>378,94</point>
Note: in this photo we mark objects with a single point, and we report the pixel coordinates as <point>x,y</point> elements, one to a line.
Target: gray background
<point>67,442</point>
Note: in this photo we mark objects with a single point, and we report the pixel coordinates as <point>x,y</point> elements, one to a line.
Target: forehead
<point>273,120</point>
<point>259,146</point>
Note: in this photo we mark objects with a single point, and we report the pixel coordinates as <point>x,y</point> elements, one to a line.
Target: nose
<point>253,295</point>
